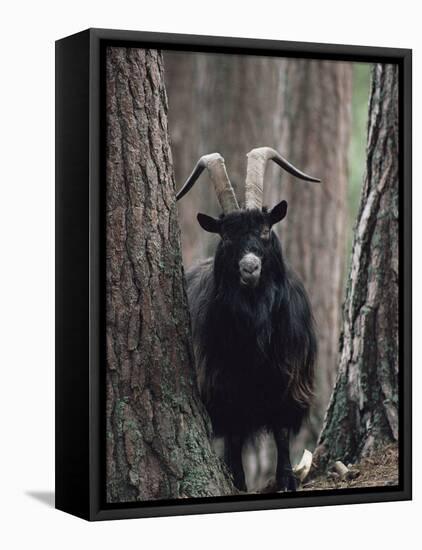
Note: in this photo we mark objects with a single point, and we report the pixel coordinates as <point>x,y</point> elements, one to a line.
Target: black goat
<point>252,324</point>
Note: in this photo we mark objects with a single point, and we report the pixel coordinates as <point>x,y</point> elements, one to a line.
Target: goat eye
<point>265,233</point>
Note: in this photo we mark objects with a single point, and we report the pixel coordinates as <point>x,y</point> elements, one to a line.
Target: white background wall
<point>28,31</point>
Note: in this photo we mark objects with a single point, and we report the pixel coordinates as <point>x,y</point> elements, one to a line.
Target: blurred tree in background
<point>317,130</point>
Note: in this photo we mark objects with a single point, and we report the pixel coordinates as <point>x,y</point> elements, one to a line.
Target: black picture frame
<point>80,272</point>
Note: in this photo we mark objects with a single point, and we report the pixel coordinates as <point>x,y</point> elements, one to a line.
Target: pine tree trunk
<point>363,412</point>
<point>316,132</point>
<point>157,431</point>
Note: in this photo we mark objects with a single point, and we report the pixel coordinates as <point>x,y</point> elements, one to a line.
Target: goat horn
<point>257,162</point>
<point>217,171</point>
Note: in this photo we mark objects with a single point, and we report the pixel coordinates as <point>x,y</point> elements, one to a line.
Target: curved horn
<point>257,162</point>
<point>217,171</point>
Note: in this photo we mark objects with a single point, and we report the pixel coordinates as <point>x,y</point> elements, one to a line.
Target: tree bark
<point>363,412</point>
<point>316,132</point>
<point>157,430</point>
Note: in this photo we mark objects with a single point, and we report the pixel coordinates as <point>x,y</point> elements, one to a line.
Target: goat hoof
<point>287,482</point>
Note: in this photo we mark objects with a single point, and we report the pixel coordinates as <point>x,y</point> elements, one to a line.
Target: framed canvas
<point>233,274</point>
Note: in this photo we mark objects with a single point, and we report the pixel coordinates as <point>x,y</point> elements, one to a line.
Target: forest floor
<point>379,470</point>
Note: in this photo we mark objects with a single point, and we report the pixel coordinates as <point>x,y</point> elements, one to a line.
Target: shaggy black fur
<point>255,347</point>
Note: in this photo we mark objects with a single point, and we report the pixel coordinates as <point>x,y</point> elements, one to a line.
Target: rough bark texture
<point>363,412</point>
<point>157,431</point>
<point>317,130</point>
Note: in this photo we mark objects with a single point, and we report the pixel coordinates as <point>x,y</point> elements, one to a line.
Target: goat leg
<point>285,478</point>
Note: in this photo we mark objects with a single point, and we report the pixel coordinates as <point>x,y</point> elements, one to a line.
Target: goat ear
<point>208,223</point>
<point>278,212</point>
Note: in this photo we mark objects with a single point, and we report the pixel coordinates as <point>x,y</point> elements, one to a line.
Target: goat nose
<point>249,264</point>
<point>250,268</point>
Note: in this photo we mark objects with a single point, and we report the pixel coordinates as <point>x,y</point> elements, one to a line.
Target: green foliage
<point>357,151</point>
